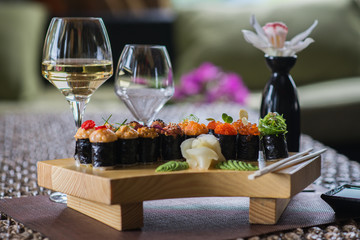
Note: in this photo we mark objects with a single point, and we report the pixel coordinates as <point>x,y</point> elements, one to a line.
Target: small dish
<point>344,199</point>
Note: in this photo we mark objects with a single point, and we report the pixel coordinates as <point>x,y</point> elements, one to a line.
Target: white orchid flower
<point>271,38</point>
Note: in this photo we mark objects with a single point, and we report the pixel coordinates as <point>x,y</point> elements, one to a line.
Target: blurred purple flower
<point>211,82</point>
<point>230,88</point>
<point>206,72</point>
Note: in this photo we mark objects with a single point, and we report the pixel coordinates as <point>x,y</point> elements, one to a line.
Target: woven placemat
<point>26,138</point>
<point>189,218</point>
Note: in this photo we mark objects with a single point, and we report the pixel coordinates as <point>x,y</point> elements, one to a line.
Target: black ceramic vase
<point>280,95</point>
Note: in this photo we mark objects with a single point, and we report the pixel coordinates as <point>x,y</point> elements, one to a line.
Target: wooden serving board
<point>115,197</point>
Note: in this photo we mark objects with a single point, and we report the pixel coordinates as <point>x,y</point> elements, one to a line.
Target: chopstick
<point>287,162</point>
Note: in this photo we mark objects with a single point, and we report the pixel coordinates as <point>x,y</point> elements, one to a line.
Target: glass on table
<point>77,60</point>
<point>144,80</point>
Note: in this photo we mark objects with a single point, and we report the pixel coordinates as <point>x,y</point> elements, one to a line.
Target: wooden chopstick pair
<point>287,162</point>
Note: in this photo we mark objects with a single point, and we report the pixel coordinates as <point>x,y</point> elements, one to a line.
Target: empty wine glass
<point>144,80</point>
<point>77,60</point>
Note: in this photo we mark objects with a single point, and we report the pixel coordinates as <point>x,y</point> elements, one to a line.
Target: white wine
<point>77,79</point>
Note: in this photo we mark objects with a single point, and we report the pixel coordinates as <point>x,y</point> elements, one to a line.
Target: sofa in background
<point>326,73</point>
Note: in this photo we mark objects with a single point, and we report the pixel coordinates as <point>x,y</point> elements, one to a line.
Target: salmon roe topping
<point>212,125</point>
<point>225,129</point>
<point>194,128</point>
<point>248,129</point>
<point>183,124</point>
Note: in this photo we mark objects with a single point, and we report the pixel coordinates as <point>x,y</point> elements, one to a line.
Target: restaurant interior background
<point>327,73</point>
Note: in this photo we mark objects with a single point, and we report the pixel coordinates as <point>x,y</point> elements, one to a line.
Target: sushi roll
<point>212,125</point>
<point>135,125</point>
<point>103,146</point>
<point>82,144</point>
<point>272,134</point>
<point>171,140</point>
<point>247,142</point>
<point>148,145</point>
<point>227,133</point>
<point>159,125</point>
<point>127,146</point>
<point>194,129</point>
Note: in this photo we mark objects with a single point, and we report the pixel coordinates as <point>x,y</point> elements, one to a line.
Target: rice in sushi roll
<point>127,146</point>
<point>272,133</point>
<point>103,145</point>
<point>82,144</point>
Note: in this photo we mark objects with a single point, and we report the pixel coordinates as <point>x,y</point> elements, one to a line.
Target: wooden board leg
<point>266,210</point>
<point>120,217</point>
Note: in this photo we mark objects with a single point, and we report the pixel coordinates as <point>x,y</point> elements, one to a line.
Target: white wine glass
<point>77,60</point>
<point>144,80</point>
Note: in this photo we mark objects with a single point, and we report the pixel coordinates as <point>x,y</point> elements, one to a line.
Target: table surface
<point>26,138</point>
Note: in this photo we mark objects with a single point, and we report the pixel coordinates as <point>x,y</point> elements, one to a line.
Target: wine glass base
<point>58,197</point>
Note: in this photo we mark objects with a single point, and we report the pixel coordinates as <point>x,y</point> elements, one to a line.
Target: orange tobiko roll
<point>246,129</point>
<point>249,129</point>
<point>227,134</point>
<point>212,125</point>
<point>195,129</point>
<point>225,129</point>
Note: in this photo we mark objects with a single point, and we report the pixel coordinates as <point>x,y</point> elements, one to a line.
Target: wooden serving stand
<point>115,197</point>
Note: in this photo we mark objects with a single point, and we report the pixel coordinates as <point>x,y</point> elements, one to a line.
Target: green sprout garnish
<point>191,117</point>
<point>122,124</point>
<point>106,121</point>
<point>210,119</point>
<point>227,118</point>
<point>272,124</point>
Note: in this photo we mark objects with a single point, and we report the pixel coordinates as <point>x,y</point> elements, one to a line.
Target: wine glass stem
<point>78,109</point>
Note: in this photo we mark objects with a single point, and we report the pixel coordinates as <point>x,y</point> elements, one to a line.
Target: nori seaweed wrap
<point>103,145</point>
<point>127,146</point>
<point>274,146</point>
<point>170,143</point>
<point>158,126</point>
<point>149,151</point>
<point>227,139</point>
<point>82,145</point>
<point>273,129</point>
<point>247,145</point>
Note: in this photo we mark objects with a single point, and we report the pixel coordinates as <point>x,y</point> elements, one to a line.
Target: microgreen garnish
<point>123,123</point>
<point>191,117</point>
<point>210,119</point>
<point>272,124</point>
<point>227,118</point>
<point>106,121</point>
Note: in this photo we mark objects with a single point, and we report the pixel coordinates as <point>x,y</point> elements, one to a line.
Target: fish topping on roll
<point>102,135</point>
<point>173,129</point>
<point>147,132</point>
<point>85,130</point>
<point>126,132</point>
